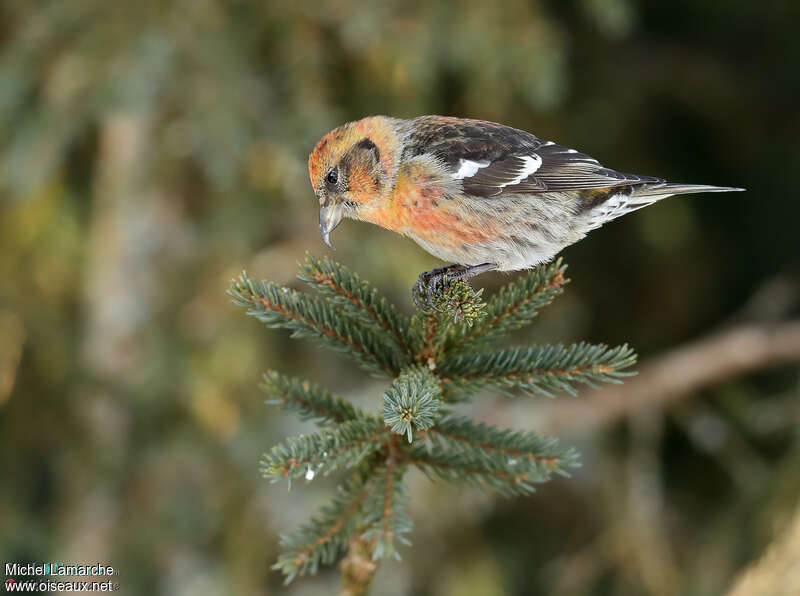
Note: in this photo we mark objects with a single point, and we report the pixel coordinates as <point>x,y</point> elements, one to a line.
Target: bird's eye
<point>332,177</point>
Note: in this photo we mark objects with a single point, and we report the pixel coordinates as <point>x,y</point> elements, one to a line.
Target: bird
<point>481,195</point>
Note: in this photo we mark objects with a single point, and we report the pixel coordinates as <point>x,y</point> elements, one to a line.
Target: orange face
<point>352,166</point>
<point>362,156</point>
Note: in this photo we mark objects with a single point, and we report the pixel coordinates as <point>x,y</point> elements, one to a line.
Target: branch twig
<point>357,568</point>
<point>693,366</point>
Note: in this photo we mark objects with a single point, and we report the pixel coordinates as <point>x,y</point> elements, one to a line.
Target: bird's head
<point>352,166</point>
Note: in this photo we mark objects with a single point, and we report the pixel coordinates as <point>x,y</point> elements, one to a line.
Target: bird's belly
<point>511,233</point>
<point>505,253</point>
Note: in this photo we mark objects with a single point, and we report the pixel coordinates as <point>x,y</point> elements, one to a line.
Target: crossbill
<point>481,195</point>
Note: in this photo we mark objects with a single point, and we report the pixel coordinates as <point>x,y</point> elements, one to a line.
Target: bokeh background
<point>151,150</point>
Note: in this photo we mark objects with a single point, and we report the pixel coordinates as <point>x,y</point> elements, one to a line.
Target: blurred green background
<point>151,150</point>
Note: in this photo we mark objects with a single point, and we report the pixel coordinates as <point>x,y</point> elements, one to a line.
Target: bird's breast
<point>420,208</point>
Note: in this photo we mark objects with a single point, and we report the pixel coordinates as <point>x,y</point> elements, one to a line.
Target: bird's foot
<point>431,282</point>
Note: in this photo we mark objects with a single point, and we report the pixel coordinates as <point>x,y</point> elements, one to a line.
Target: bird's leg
<point>432,280</point>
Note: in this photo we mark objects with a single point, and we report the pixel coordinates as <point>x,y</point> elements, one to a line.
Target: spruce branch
<point>439,355</point>
<point>325,537</point>
<point>483,442</point>
<point>344,445</point>
<point>456,466</point>
<point>412,402</point>
<point>385,513</point>
<point>456,308</point>
<point>311,317</point>
<point>537,369</point>
<point>514,306</point>
<point>357,297</point>
<point>309,401</point>
<point>459,302</point>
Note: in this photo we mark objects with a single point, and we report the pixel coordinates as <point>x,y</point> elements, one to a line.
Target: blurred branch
<point>125,235</point>
<point>664,379</point>
<point>13,333</point>
<point>643,527</point>
<point>776,299</point>
<point>777,573</point>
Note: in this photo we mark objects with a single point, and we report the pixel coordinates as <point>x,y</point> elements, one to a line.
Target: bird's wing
<point>494,160</point>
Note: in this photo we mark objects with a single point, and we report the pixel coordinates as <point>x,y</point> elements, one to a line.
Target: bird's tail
<point>635,196</point>
<point>665,189</point>
<point>647,194</point>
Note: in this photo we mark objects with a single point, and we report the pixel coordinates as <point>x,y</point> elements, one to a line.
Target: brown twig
<point>548,461</point>
<point>357,568</point>
<point>432,341</point>
<point>303,554</point>
<point>511,479</point>
<point>529,376</point>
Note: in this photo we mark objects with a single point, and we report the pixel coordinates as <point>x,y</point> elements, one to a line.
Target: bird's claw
<point>433,282</point>
<point>415,293</point>
<point>426,284</point>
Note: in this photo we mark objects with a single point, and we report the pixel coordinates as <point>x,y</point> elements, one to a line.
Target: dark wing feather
<point>451,139</point>
<point>492,159</point>
<point>567,169</point>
